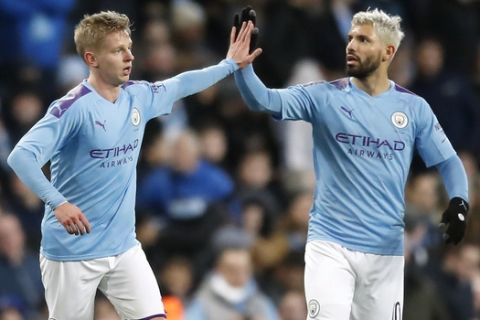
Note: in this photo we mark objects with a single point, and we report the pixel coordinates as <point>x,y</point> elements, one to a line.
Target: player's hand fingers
<point>232,35</point>
<point>85,223</point>
<point>69,228</point>
<point>241,33</point>
<point>246,32</point>
<point>80,227</point>
<point>255,54</point>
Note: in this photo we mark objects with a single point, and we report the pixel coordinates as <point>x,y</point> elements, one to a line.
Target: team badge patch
<point>399,120</point>
<point>135,117</point>
<point>313,308</point>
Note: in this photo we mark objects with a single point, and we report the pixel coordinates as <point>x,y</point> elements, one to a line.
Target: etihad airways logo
<point>117,151</point>
<point>366,141</point>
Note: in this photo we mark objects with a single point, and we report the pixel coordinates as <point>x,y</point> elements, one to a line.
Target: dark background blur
<point>224,191</point>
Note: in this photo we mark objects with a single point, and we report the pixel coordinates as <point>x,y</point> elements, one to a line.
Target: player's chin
<point>124,78</point>
<point>351,70</point>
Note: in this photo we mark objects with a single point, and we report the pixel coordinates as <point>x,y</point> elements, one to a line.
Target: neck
<point>103,88</point>
<point>373,84</point>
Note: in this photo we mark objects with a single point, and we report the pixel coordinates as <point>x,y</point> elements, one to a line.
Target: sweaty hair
<point>386,26</point>
<point>92,29</point>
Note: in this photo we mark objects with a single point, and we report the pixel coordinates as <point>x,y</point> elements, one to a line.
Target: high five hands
<point>242,37</point>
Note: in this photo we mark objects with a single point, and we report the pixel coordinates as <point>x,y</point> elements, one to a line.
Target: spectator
<point>230,291</point>
<point>292,306</point>
<point>450,95</point>
<point>19,267</point>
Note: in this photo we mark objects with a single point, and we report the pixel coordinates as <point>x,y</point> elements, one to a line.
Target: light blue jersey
<point>93,145</point>
<point>363,147</point>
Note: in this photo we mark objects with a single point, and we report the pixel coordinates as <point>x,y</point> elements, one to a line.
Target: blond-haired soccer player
<point>365,130</point>
<point>92,137</point>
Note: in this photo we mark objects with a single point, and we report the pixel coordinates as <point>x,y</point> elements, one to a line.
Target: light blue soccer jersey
<point>363,147</point>
<point>93,145</point>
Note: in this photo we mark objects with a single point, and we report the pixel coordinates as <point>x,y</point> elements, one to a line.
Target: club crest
<point>399,120</point>
<point>135,117</point>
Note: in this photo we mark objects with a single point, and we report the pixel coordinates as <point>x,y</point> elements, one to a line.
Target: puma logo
<point>98,123</point>
<point>347,111</point>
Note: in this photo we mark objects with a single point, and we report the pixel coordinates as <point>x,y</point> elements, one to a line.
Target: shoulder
<point>401,90</point>
<point>339,84</point>
<point>140,85</point>
<point>412,98</point>
<point>68,102</point>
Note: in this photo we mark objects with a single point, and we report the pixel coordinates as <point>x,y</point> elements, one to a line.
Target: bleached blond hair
<point>386,26</point>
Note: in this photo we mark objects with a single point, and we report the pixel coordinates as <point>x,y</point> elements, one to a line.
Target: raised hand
<point>72,219</point>
<point>239,49</point>
<point>247,14</point>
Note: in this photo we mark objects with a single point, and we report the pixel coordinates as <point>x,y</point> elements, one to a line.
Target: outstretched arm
<point>255,94</point>
<point>238,56</point>
<point>291,103</point>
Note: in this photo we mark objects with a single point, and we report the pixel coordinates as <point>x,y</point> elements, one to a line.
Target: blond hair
<point>386,26</point>
<point>92,29</point>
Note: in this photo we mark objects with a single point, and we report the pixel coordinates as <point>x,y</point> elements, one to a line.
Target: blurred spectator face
<point>12,238</point>
<point>188,19</point>
<point>292,306</point>
<point>157,152</point>
<point>147,231</point>
<point>423,193</point>
<point>10,314</point>
<point>429,58</point>
<point>291,274</point>
<point>186,152</point>
<point>213,144</point>
<point>26,109</point>
<point>159,61</point>
<point>256,169</point>
<point>177,277</point>
<point>235,266</point>
<point>252,218</point>
<point>156,32</point>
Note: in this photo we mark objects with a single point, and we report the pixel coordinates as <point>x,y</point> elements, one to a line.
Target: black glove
<point>247,14</point>
<point>454,220</point>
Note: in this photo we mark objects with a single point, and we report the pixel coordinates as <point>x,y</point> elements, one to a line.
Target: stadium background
<point>236,178</point>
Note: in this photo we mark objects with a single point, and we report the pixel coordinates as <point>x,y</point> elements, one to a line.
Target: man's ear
<point>389,52</point>
<point>90,59</point>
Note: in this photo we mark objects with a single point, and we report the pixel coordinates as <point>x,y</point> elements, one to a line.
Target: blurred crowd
<point>224,193</point>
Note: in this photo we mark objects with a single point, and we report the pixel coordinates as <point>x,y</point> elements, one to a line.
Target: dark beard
<point>364,69</point>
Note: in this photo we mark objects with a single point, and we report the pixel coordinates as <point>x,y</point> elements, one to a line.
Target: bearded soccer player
<point>365,130</point>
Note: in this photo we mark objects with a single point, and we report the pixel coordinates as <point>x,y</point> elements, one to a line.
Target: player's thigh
<point>329,282</point>
<point>70,287</point>
<point>379,293</point>
<point>132,288</point>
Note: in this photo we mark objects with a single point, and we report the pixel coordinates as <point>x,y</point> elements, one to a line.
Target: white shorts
<point>127,280</point>
<point>341,284</point>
